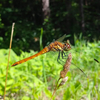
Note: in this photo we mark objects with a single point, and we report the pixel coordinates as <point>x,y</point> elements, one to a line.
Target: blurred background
<point>54,17</point>
<point>37,24</point>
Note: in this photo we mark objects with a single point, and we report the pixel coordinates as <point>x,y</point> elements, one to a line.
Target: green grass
<point>36,79</point>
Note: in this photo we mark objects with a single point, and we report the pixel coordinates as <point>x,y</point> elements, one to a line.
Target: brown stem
<point>8,59</point>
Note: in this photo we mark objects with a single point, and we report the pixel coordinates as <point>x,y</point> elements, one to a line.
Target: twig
<point>8,58</point>
<point>63,74</point>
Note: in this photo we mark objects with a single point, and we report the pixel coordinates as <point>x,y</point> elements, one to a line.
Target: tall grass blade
<point>8,58</point>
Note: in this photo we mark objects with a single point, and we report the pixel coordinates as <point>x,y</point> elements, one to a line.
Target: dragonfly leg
<point>64,56</point>
<point>60,58</point>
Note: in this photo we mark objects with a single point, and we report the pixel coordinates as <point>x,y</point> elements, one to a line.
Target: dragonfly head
<point>67,46</point>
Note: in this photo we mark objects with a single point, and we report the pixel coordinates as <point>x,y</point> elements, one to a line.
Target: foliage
<point>36,78</point>
<point>28,18</point>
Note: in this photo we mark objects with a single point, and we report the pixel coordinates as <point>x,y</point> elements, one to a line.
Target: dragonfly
<point>54,46</point>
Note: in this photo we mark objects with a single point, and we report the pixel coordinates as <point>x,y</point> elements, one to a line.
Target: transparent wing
<point>61,38</point>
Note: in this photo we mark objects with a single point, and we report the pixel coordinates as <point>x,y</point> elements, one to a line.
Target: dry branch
<point>63,74</point>
<point>8,58</point>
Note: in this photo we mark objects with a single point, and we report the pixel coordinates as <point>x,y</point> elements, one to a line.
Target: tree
<point>82,16</point>
<point>45,9</point>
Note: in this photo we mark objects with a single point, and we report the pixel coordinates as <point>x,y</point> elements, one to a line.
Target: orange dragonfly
<point>55,46</point>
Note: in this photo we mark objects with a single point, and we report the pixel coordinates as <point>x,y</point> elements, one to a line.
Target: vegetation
<point>67,17</point>
<point>36,27</point>
<point>36,79</point>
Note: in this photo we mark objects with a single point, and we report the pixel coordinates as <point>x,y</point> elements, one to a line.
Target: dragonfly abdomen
<point>31,57</point>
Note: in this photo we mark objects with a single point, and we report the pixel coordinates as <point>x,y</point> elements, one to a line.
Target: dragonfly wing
<point>61,38</point>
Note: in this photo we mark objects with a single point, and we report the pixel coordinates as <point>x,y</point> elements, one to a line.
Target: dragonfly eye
<point>67,47</point>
